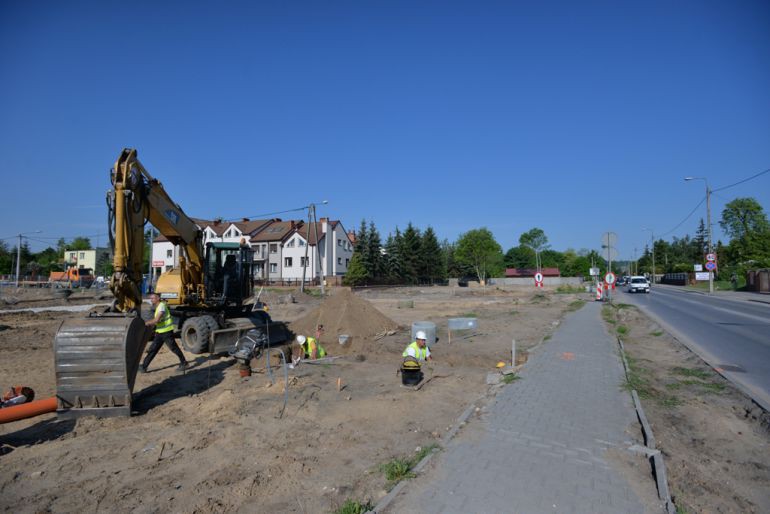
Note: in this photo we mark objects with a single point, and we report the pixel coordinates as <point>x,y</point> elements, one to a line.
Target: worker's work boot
<point>181,368</point>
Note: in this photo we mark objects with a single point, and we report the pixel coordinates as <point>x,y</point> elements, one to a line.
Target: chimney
<point>323,220</point>
<point>292,224</point>
<point>246,219</point>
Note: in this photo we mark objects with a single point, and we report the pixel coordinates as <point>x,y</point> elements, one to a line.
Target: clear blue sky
<point>575,117</point>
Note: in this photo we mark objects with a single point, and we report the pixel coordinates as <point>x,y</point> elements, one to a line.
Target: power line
<point>257,216</point>
<point>741,181</point>
<point>685,219</point>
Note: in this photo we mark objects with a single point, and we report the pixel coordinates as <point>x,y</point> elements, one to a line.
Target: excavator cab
<point>228,278</point>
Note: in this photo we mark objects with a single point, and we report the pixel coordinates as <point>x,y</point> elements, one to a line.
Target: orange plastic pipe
<point>27,410</point>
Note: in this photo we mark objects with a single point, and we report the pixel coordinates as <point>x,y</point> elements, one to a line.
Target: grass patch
<point>539,297</point>
<point>468,315</point>
<point>692,372</point>
<point>397,470</point>
<point>657,333</point>
<point>608,314</point>
<point>625,306</point>
<point>514,312</point>
<point>547,337</point>
<point>622,330</point>
<point>354,507</point>
<point>567,288</point>
<point>513,377</point>
<point>576,305</point>
<point>669,401</point>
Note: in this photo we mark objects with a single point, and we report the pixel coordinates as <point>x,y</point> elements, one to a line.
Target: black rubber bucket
<point>410,377</point>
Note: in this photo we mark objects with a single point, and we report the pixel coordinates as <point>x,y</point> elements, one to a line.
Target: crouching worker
<point>418,349</point>
<point>164,333</point>
<point>310,349</point>
<point>17,395</point>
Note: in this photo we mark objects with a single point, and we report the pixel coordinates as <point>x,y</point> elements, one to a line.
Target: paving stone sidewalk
<point>542,444</point>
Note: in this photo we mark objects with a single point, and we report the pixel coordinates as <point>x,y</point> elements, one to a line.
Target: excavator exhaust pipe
<point>96,361</point>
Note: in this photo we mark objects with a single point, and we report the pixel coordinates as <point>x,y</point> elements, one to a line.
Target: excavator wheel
<point>195,334</point>
<point>211,322</point>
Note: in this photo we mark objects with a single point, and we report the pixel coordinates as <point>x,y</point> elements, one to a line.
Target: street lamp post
<point>18,254</point>
<point>708,224</point>
<point>652,238</point>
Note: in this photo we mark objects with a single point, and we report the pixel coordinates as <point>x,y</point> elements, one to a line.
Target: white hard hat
<point>420,335</point>
<point>301,339</point>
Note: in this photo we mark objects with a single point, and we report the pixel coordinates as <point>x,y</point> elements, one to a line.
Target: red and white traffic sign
<point>711,265</point>
<point>712,257</point>
<point>538,279</point>
<point>609,278</point>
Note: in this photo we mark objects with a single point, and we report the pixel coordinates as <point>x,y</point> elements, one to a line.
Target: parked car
<point>621,281</point>
<point>638,285</point>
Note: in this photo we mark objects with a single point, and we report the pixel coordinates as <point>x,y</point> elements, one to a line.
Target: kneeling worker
<point>418,349</point>
<point>310,348</point>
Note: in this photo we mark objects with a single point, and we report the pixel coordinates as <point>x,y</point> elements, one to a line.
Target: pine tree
<point>410,254</point>
<point>431,258</point>
<point>374,253</point>
<point>362,247</point>
<point>395,273</point>
<point>356,274</point>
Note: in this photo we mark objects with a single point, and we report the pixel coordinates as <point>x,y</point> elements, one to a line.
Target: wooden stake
<point>339,384</point>
<point>513,352</point>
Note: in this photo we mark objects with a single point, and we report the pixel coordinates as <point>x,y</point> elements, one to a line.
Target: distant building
<point>279,247</point>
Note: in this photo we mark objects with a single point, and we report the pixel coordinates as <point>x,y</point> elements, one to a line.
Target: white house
<point>334,248</point>
<point>279,247</point>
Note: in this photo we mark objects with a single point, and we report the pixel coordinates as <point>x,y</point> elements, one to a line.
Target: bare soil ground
<point>715,441</point>
<point>212,441</point>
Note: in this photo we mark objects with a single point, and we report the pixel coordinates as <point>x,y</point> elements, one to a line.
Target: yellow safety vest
<point>420,354</point>
<point>165,324</point>
<point>309,349</point>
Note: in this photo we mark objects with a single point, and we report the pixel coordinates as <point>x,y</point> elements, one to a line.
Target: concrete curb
<point>388,498</point>
<point>656,458</point>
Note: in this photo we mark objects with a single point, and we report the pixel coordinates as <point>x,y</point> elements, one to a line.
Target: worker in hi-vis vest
<point>418,349</point>
<point>164,333</point>
<point>310,348</point>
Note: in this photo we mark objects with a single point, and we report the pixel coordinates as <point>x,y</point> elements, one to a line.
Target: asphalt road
<point>731,333</point>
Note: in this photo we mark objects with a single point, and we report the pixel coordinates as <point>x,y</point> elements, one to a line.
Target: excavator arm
<point>97,357</point>
<point>135,198</point>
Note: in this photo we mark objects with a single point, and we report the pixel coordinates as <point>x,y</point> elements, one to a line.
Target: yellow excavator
<point>209,294</point>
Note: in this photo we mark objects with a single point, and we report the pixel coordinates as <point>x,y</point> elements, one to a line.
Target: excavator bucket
<point>96,360</point>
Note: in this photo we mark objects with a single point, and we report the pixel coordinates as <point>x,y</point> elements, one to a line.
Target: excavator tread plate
<point>96,360</point>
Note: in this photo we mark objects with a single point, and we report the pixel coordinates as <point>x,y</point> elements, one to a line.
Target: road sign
<point>594,272</point>
<point>711,257</point>
<point>698,267</point>
<point>711,265</point>
<point>609,278</point>
<point>538,277</point>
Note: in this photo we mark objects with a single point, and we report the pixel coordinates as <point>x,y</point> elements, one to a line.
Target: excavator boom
<point>97,357</point>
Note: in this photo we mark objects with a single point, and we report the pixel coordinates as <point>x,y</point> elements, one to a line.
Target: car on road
<point>638,284</point>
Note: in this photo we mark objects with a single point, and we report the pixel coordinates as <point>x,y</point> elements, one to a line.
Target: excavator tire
<point>195,334</point>
<point>211,322</point>
<point>96,359</point>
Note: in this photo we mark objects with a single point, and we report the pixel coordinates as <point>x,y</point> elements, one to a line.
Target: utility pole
<point>307,244</point>
<point>708,221</point>
<point>652,239</point>
<point>18,255</point>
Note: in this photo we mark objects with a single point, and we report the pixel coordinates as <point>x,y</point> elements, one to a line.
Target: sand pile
<point>344,313</point>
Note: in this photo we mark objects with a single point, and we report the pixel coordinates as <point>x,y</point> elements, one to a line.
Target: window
<point>303,262</point>
<point>169,254</point>
<point>82,255</point>
<point>273,267</point>
<point>347,263</point>
<point>273,248</point>
<point>339,261</point>
<point>339,242</point>
<point>287,262</point>
<point>302,242</point>
<point>290,244</point>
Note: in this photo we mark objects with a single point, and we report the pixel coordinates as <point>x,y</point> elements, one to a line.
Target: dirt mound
<point>345,313</point>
